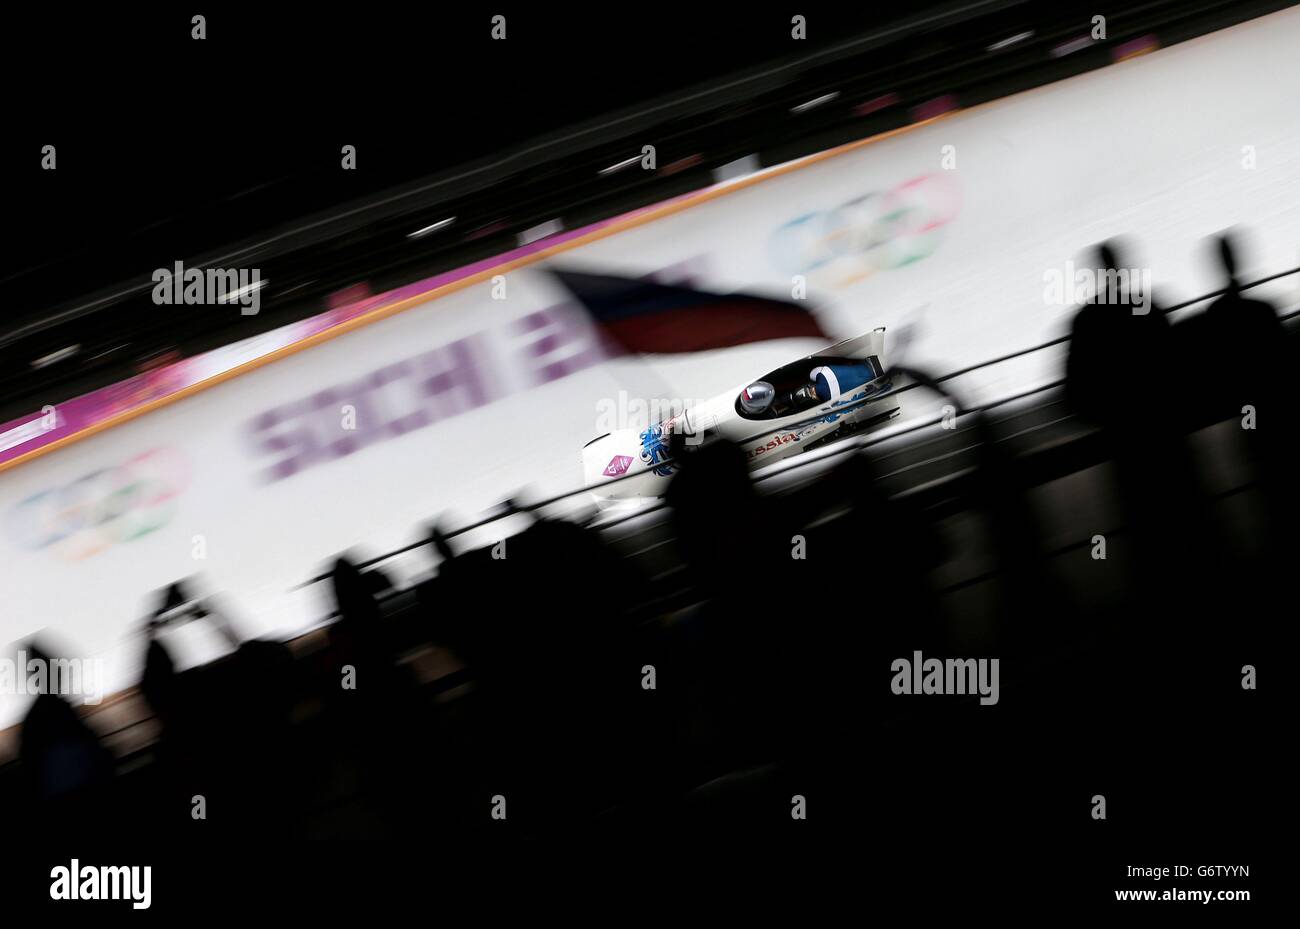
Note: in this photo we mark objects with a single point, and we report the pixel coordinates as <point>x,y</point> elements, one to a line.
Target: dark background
<point>211,140</point>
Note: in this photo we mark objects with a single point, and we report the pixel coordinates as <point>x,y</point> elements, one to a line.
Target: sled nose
<point>616,455</point>
<point>611,455</point>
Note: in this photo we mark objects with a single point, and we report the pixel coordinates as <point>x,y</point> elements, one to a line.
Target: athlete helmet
<point>757,397</point>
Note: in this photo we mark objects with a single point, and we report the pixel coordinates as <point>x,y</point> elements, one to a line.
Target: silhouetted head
<point>352,591</point>
<point>173,597</point>
<point>36,651</point>
<point>47,646</point>
<point>1108,255</point>
<point>715,476</point>
<point>441,544</point>
<point>1226,247</point>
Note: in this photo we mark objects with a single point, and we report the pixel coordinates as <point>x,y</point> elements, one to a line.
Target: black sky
<point>205,142</point>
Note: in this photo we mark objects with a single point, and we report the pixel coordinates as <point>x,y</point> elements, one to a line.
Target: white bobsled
<point>783,413</point>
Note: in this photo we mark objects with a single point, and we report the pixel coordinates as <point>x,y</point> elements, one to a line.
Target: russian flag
<point>647,317</point>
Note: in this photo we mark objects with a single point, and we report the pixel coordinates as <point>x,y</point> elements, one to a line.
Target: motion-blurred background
<point>405,185</point>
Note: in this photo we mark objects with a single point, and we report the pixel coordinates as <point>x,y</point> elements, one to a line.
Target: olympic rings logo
<point>879,231</point>
<point>102,508</point>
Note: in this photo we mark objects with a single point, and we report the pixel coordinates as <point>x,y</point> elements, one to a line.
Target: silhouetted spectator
<point>68,772</point>
<point>1119,370</point>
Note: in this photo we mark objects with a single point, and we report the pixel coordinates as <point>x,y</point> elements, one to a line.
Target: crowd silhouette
<point>581,703</point>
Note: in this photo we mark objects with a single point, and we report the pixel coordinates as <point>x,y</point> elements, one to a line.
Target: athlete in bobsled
<point>841,390</point>
<point>826,383</point>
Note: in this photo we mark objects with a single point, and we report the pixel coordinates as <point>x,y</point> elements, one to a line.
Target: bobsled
<point>834,393</point>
